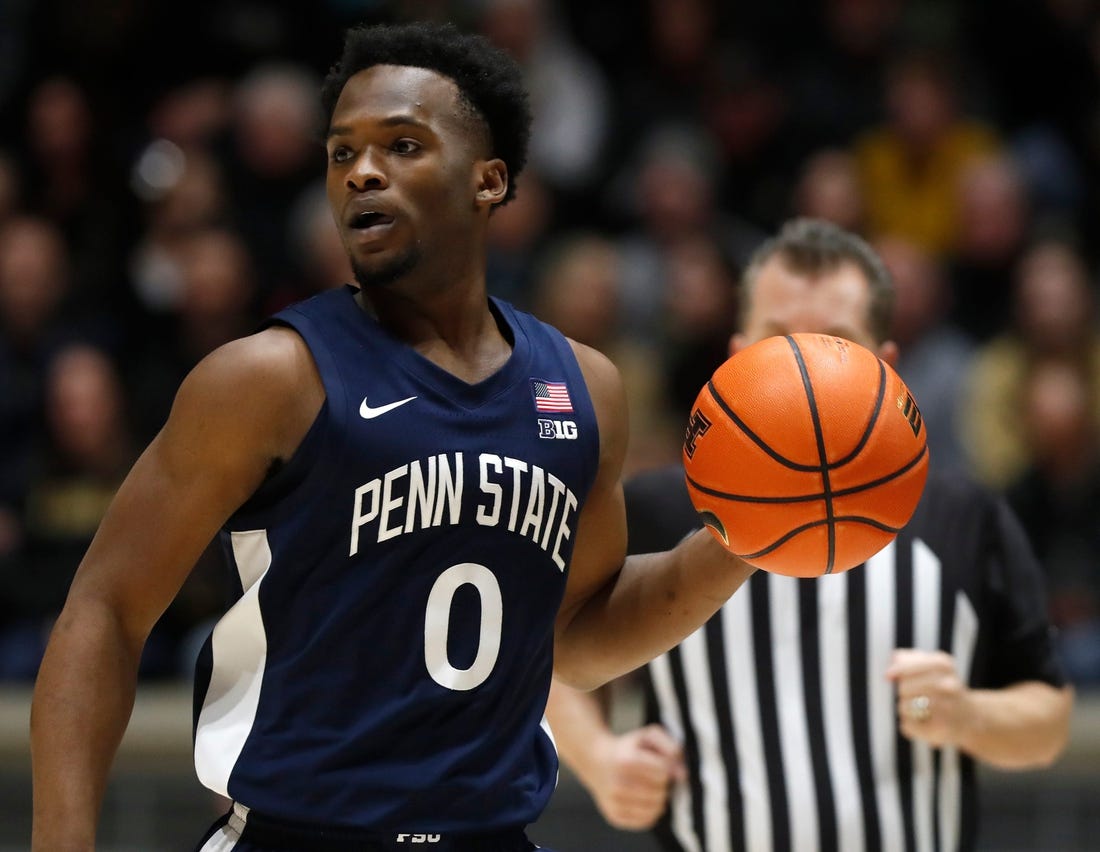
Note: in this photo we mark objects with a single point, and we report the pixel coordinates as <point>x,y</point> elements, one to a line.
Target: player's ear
<point>492,182</point>
<point>888,352</point>
<point>738,341</point>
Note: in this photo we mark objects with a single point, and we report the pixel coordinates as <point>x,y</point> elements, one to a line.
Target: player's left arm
<point>619,613</point>
<point>1018,717</point>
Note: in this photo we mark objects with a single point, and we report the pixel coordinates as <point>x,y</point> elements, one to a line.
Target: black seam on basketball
<point>809,498</point>
<point>822,455</point>
<point>871,425</point>
<point>756,439</point>
<point>848,519</point>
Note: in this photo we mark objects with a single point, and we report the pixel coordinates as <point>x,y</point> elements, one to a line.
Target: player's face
<point>407,172</point>
<point>787,302</point>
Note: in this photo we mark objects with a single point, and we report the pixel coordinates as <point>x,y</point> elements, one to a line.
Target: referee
<point>843,713</point>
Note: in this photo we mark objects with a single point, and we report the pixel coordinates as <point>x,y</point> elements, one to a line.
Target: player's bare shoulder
<point>266,383</point>
<point>605,387</point>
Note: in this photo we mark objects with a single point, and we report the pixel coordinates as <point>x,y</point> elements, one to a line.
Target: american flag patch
<point>551,396</point>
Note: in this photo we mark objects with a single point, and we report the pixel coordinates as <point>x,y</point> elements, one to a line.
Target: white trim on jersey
<point>239,649</point>
<point>225,839</point>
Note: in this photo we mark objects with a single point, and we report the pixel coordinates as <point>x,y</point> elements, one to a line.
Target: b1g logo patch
<point>697,427</point>
<point>559,430</point>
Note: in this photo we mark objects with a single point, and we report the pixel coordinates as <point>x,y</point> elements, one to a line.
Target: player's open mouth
<point>369,219</point>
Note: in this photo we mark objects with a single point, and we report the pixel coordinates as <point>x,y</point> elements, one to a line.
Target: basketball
<point>805,454</point>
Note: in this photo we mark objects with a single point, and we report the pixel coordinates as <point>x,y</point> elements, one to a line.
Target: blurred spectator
<point>935,354</point>
<point>570,97</point>
<point>318,252</point>
<point>517,233</point>
<point>838,79</point>
<point>671,200</point>
<point>994,219</point>
<point>71,177</point>
<point>192,115</point>
<point>1054,316</point>
<point>183,193</point>
<point>577,289</point>
<point>273,155</point>
<point>34,287</point>
<point>217,285</point>
<point>828,188</point>
<point>163,197</point>
<point>1042,69</point>
<point>700,307</point>
<point>11,190</point>
<point>1058,500</point>
<point>79,463</point>
<point>910,164</point>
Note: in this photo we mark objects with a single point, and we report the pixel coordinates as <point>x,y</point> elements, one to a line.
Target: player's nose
<point>367,172</point>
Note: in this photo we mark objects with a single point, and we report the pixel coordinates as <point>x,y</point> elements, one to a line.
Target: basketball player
<point>402,473</point>
<point>844,712</point>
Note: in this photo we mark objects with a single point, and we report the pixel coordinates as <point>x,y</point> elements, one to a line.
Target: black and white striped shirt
<point>788,723</point>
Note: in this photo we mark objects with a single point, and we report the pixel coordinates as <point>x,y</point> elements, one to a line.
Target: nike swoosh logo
<point>368,413</point>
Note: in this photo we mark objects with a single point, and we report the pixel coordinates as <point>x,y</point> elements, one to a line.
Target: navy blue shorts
<point>242,830</point>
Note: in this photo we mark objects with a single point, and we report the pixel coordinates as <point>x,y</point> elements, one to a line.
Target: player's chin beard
<point>386,273</point>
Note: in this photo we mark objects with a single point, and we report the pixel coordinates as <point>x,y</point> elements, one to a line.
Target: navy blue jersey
<point>388,660</point>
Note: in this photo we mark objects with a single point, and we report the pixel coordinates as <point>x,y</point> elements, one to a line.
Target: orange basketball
<point>805,454</point>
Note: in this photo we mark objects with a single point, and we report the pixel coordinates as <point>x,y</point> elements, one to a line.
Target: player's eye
<point>405,146</point>
<point>340,154</point>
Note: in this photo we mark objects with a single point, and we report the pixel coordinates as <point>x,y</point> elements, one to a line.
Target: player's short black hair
<point>488,78</point>
<point>815,246</point>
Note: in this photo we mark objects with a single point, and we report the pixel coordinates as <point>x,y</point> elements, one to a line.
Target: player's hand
<point>933,702</point>
<point>634,773</point>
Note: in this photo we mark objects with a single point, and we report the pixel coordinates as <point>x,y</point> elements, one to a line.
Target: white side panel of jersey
<point>927,582</point>
<point>239,649</point>
<point>737,633</point>
<point>704,720</point>
<point>680,795</point>
<point>964,636</point>
<point>790,701</point>
<point>881,639</point>
<point>836,702</point>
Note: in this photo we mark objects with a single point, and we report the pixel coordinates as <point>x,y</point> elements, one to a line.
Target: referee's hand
<point>635,771</point>
<point>932,699</point>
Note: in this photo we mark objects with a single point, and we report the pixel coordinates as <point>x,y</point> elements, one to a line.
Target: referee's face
<point>837,302</point>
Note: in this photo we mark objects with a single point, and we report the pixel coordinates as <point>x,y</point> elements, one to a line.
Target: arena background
<point>159,193</point>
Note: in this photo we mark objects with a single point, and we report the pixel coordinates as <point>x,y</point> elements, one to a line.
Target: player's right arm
<point>244,407</point>
<point>628,775</point>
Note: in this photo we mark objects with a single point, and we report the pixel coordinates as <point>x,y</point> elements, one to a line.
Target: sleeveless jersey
<point>387,662</point>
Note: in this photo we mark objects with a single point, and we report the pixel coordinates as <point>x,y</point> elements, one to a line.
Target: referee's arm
<point>1021,726</point>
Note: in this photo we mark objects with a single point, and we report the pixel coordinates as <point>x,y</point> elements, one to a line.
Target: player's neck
<point>456,329</point>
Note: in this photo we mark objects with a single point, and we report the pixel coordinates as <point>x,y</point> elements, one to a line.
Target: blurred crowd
<point>161,191</point>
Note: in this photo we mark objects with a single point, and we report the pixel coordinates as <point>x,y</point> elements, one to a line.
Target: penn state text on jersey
<point>389,655</point>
